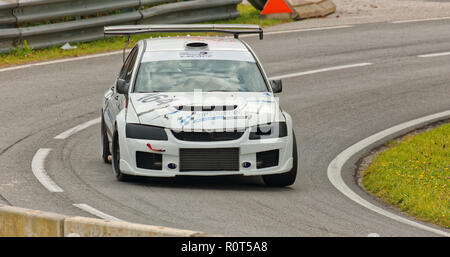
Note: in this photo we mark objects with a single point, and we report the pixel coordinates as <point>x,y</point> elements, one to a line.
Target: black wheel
<point>284,179</point>
<point>116,159</point>
<point>105,142</point>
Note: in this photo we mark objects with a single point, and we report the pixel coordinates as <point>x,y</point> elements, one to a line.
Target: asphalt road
<point>331,111</point>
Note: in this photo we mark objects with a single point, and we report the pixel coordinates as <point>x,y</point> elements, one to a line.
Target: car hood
<point>210,111</point>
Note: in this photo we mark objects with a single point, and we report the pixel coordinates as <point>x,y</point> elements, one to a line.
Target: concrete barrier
<point>88,227</point>
<point>303,9</point>
<point>20,222</point>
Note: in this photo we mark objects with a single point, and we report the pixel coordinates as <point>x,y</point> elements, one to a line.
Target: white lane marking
<point>297,30</point>
<point>37,166</point>
<point>322,70</point>
<point>119,52</point>
<point>335,169</point>
<point>95,212</point>
<point>59,61</point>
<point>78,128</point>
<point>433,54</point>
<point>418,20</point>
<point>373,235</point>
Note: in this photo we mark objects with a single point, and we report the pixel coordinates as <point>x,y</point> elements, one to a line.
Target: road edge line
<point>334,171</point>
<point>89,56</point>
<point>420,20</point>
<point>59,60</point>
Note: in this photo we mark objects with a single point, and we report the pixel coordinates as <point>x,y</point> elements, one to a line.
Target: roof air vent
<point>197,44</point>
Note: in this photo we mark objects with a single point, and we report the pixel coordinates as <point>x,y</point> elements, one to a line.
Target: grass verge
<point>249,15</point>
<point>413,174</point>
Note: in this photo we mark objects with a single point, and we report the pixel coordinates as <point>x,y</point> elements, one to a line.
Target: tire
<point>284,179</point>
<point>116,159</point>
<point>105,142</point>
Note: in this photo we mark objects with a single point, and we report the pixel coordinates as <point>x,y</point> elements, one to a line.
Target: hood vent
<point>206,108</point>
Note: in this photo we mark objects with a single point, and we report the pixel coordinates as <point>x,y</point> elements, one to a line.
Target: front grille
<point>151,161</point>
<point>209,159</point>
<point>206,136</point>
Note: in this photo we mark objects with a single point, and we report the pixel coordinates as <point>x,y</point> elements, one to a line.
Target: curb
<point>21,222</point>
<point>361,148</point>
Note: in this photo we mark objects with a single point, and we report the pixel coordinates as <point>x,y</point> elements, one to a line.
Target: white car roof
<point>179,43</point>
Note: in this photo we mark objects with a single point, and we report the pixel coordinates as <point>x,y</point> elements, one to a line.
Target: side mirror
<point>277,85</point>
<point>122,86</point>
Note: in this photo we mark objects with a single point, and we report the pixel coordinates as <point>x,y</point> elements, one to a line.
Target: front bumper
<point>247,153</point>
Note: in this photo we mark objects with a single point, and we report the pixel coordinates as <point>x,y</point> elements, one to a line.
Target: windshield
<point>204,75</point>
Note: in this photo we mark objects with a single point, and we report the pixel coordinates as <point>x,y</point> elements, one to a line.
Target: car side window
<point>131,67</point>
<point>124,70</point>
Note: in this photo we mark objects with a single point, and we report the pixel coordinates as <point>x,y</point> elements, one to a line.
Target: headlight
<point>145,132</point>
<point>270,130</point>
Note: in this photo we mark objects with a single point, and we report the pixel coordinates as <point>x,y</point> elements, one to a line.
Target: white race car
<point>198,106</point>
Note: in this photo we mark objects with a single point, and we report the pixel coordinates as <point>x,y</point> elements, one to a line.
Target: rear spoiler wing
<point>235,29</point>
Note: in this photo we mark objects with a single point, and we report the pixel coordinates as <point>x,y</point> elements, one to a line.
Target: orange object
<point>276,6</point>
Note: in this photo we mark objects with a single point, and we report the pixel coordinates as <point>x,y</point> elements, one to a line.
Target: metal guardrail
<point>16,13</point>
